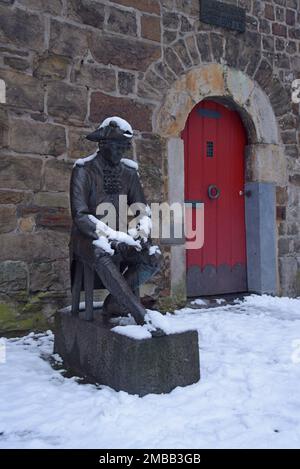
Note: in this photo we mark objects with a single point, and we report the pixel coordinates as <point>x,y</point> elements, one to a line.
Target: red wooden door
<point>214,143</point>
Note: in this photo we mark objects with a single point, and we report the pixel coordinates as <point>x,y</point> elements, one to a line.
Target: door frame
<point>265,165</point>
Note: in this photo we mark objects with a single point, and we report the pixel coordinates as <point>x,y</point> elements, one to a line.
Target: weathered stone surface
<point>204,47</point>
<point>67,39</point>
<point>181,51</point>
<point>86,12</point>
<point>27,224</point>
<point>171,20</point>
<point>56,218</point>
<point>132,54</point>
<point>20,172</point>
<point>92,350</point>
<point>93,76</point>
<point>173,61</point>
<point>217,45</point>
<point>39,246</point>
<point>51,67</point>
<point>165,72</point>
<point>193,50</point>
<point>102,106</point>
<point>17,63</point>
<point>23,91</point>
<point>14,197</point>
<point>126,82</point>
<point>150,28</point>
<point>67,102</point>
<point>150,158</point>
<point>150,6</point>
<point>8,218</point>
<point>21,28</point>
<point>45,276</point>
<point>57,175</point>
<point>262,116</point>
<point>51,199</point>
<point>53,7</point>
<point>13,276</point>
<point>289,275</point>
<point>268,163</point>
<point>34,137</point>
<point>156,82</point>
<point>122,21</point>
<point>79,146</point>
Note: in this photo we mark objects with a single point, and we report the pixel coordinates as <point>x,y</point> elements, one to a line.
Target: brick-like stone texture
<point>69,64</point>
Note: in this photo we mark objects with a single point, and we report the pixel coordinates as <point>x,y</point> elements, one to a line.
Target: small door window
<point>210,149</point>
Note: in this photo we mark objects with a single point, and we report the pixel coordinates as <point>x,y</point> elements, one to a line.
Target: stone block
<point>79,146</point>
<point>51,67</point>
<point>8,218</point>
<point>23,91</point>
<point>138,114</point>
<point>20,172</point>
<point>86,12</point>
<point>13,276</point>
<point>150,28</point>
<point>150,6</point>
<point>21,28</point>
<point>126,82</point>
<point>155,365</point>
<point>132,54</point>
<point>57,175</point>
<point>39,246</point>
<point>67,39</point>
<point>67,102</point>
<point>94,76</point>
<point>54,7</point>
<point>122,22</point>
<point>35,137</point>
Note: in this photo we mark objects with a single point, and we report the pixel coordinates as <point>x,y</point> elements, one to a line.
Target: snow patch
<point>122,123</point>
<point>107,235</point>
<point>82,161</point>
<point>130,163</point>
<point>154,250</point>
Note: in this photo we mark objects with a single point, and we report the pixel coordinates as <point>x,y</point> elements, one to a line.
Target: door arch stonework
<point>265,163</point>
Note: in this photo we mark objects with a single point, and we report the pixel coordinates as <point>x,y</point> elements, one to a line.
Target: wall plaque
<point>223,15</point>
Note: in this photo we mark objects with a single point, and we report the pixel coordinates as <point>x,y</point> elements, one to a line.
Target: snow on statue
<point>121,260</point>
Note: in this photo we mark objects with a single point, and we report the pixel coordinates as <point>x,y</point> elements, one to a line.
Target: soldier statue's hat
<point>112,128</point>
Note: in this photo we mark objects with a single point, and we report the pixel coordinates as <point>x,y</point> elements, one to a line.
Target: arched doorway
<point>265,164</point>
<point>214,149</point>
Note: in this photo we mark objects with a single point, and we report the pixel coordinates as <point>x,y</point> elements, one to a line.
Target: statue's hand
<point>126,250</point>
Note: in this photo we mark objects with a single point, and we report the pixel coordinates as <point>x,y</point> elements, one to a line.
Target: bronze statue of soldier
<point>100,179</point>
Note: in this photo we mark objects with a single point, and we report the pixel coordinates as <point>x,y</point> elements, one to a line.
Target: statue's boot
<point>116,284</point>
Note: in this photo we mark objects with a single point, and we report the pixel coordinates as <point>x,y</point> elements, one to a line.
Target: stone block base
<point>138,366</point>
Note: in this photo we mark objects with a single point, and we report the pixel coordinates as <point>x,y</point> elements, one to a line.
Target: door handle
<point>213,192</point>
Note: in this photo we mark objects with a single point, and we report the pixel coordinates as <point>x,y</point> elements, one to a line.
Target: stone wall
<point>68,64</point>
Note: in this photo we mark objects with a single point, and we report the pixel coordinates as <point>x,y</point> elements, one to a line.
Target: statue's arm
<point>79,193</point>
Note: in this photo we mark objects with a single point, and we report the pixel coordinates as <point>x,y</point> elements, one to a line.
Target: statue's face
<point>114,150</point>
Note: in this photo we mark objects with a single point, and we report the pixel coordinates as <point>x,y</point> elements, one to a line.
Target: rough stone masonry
<point>68,64</point>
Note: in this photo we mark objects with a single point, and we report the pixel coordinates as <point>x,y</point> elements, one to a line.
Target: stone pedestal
<point>138,366</point>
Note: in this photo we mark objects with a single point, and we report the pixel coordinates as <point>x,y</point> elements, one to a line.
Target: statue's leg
<point>116,284</point>
<point>141,271</point>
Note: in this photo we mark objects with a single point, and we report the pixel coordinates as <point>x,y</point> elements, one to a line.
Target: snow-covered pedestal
<point>138,366</point>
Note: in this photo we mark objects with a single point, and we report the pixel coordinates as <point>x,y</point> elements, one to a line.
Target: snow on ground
<point>248,395</point>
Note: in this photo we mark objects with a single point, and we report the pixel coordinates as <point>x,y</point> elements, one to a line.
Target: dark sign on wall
<point>223,15</point>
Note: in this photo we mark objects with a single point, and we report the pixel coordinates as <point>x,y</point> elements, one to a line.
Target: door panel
<point>214,143</point>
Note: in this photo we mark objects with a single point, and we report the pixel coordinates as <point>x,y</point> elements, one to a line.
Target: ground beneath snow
<point>248,396</point>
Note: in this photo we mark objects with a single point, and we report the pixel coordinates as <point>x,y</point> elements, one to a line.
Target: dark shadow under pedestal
<point>137,366</point>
